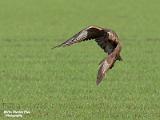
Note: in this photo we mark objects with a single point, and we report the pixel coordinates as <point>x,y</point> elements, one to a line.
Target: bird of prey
<point>107,39</point>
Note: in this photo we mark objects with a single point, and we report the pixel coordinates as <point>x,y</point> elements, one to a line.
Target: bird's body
<point>107,39</point>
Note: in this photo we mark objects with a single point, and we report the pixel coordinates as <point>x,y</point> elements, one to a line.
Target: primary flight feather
<point>107,39</point>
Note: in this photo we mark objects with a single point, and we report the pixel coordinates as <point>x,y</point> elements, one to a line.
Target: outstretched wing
<point>108,63</point>
<point>88,33</point>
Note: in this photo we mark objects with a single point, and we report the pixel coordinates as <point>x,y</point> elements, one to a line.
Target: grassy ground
<point>60,84</point>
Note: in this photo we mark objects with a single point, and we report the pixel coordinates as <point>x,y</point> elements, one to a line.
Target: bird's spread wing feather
<point>108,63</point>
<point>88,33</point>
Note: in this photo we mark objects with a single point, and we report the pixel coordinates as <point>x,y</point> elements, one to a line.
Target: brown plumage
<point>106,39</point>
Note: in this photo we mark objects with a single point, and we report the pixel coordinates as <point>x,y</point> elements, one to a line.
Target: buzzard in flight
<point>106,39</point>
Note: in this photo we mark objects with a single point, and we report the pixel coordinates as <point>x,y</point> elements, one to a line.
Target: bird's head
<point>112,36</point>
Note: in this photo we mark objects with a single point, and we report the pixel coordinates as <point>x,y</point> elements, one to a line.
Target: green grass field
<point>60,84</point>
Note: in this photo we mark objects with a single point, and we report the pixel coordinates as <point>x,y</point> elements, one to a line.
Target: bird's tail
<point>104,66</point>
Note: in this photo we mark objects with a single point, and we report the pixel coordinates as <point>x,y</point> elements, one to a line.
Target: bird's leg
<point>111,66</point>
